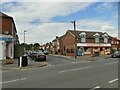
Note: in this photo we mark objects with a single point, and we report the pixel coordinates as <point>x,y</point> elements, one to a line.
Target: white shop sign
<point>93,44</point>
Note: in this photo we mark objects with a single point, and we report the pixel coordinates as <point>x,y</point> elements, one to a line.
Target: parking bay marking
<point>13,80</point>
<point>75,69</point>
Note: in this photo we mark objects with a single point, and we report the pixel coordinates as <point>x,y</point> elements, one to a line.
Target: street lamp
<point>24,40</point>
<point>75,45</point>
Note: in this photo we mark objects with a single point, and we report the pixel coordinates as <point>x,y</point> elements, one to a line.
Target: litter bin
<point>23,62</point>
<point>96,53</point>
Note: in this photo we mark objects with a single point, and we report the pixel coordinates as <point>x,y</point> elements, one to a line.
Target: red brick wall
<point>6,25</point>
<point>69,42</point>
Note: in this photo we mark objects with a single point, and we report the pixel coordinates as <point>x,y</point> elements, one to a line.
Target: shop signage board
<point>6,39</point>
<point>94,44</point>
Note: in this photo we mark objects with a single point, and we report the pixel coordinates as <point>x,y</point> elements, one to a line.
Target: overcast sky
<point>35,17</point>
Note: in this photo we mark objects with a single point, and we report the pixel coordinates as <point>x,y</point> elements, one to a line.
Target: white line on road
<point>95,88</point>
<point>13,80</point>
<point>75,69</point>
<point>113,80</point>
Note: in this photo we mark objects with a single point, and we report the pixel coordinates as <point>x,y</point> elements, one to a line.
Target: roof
<point>89,34</point>
<point>4,15</point>
<point>58,38</point>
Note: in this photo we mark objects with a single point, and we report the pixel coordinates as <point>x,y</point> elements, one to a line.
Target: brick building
<point>86,42</point>
<point>115,44</point>
<point>8,35</point>
<point>57,45</point>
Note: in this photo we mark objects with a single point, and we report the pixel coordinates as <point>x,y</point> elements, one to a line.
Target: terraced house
<point>86,43</point>
<point>8,36</point>
<point>57,45</point>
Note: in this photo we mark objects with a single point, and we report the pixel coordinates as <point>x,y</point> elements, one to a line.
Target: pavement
<point>14,66</point>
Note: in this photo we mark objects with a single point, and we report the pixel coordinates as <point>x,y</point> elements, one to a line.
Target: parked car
<point>116,54</point>
<point>38,56</point>
<point>46,52</point>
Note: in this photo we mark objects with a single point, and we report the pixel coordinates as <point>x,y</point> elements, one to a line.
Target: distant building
<point>8,36</point>
<point>115,44</point>
<point>57,45</point>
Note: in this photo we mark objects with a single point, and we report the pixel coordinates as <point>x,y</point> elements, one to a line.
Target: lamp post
<point>75,45</point>
<point>24,40</point>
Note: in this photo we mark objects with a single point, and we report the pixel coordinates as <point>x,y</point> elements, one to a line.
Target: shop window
<point>87,49</point>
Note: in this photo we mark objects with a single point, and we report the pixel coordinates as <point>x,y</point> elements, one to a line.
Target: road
<point>65,74</point>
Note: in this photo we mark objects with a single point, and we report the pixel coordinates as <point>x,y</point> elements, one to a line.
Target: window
<point>72,50</point>
<point>83,37</point>
<point>117,42</point>
<point>96,37</point>
<point>68,50</point>
<point>112,42</point>
<point>105,40</point>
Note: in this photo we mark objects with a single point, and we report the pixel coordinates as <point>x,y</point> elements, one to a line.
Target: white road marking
<point>110,63</point>
<point>95,88</point>
<point>113,80</point>
<point>13,80</point>
<point>75,69</point>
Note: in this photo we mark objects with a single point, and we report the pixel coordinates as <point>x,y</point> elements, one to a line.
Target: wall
<point>6,25</point>
<point>68,43</point>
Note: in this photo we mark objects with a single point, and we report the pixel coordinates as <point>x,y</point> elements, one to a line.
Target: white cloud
<point>98,25</point>
<point>43,11</point>
<point>46,32</point>
<point>26,12</point>
<point>104,6</point>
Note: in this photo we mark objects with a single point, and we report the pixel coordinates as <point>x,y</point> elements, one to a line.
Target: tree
<point>36,46</point>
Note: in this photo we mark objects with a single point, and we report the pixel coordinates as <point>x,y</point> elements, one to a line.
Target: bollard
<point>20,62</point>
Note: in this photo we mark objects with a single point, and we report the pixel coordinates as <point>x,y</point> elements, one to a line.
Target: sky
<point>46,20</point>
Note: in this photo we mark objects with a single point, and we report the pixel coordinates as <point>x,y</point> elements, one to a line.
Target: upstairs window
<point>83,37</point>
<point>105,38</point>
<point>96,38</point>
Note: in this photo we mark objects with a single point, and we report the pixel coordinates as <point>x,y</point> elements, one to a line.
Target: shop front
<point>91,48</point>
<point>7,47</point>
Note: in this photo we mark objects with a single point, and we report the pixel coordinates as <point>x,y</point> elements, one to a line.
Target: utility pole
<point>75,45</point>
<point>24,40</point>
